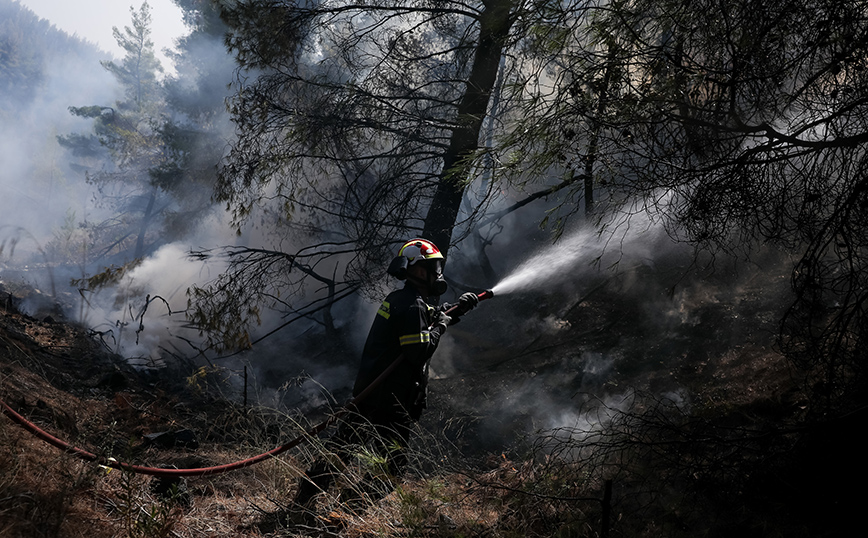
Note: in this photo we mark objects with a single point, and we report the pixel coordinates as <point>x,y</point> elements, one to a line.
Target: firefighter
<point>409,325</point>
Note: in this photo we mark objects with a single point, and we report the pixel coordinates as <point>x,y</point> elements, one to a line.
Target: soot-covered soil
<point>518,368</point>
<point>540,362</point>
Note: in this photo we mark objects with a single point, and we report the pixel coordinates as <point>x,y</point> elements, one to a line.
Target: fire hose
<point>217,469</point>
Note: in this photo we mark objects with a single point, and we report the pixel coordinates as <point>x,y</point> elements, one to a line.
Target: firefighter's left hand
<point>466,303</point>
<point>443,321</point>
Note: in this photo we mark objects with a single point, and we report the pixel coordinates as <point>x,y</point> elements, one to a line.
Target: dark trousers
<point>385,431</point>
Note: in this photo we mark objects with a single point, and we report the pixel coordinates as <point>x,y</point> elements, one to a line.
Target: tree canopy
<point>745,126</point>
<point>364,112</point>
<point>740,126</point>
<point>153,154</point>
<point>356,128</point>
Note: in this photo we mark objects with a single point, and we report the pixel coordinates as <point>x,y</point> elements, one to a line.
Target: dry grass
<point>45,493</point>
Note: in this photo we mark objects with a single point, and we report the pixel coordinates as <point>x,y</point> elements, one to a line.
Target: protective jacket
<point>402,326</point>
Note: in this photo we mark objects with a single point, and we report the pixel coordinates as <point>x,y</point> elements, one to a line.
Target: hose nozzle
<point>487,294</point>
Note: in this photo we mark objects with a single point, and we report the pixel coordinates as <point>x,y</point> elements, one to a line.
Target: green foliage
<point>345,146</point>
<point>139,70</point>
<point>754,120</point>
<point>375,462</point>
<point>221,317</point>
<point>20,69</point>
<point>152,159</point>
<point>382,124</point>
<point>26,44</point>
<point>90,111</point>
<point>111,276</point>
<point>414,512</point>
<point>738,126</point>
<point>130,131</point>
<point>143,517</point>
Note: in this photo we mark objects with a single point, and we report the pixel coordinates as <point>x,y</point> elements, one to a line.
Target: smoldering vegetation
<point>576,345</point>
<point>74,204</point>
<point>617,354</point>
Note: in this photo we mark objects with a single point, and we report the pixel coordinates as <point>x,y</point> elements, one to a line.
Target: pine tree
<point>138,72</point>
<point>131,132</point>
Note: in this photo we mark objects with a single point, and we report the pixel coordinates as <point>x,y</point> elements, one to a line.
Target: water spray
<point>547,265</point>
<point>543,268</point>
<point>554,263</point>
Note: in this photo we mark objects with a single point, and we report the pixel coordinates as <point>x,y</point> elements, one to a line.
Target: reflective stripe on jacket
<point>401,327</point>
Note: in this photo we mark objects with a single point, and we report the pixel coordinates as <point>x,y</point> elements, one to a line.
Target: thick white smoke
<point>39,187</point>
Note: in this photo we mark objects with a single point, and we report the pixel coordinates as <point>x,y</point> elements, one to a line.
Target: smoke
<point>39,188</point>
<point>632,241</point>
<point>48,209</point>
<point>572,325</point>
<point>50,214</point>
<point>145,311</point>
<point>584,329</point>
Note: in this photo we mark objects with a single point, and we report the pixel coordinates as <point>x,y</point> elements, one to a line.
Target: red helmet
<point>417,250</point>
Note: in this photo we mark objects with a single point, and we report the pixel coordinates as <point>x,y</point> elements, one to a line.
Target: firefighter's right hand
<point>466,303</point>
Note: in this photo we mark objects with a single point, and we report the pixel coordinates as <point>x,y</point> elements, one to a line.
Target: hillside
<point>641,390</point>
<point>32,51</point>
<point>43,72</point>
<point>696,430</point>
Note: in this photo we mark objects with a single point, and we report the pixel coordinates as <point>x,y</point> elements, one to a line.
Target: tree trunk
<point>146,221</point>
<point>494,25</point>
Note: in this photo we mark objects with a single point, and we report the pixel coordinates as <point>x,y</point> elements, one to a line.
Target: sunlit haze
<point>92,20</point>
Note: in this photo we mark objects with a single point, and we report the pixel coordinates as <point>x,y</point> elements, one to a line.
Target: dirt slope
<point>523,367</point>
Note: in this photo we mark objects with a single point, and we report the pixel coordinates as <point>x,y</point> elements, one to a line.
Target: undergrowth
<point>44,492</point>
<point>648,468</point>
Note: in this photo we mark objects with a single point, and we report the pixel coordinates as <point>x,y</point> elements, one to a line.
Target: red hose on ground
<point>203,471</point>
<point>88,456</point>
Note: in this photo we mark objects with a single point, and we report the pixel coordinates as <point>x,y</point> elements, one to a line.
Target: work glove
<point>466,303</point>
<point>442,321</point>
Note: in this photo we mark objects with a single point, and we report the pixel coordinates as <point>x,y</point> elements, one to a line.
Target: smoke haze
<point>569,321</point>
